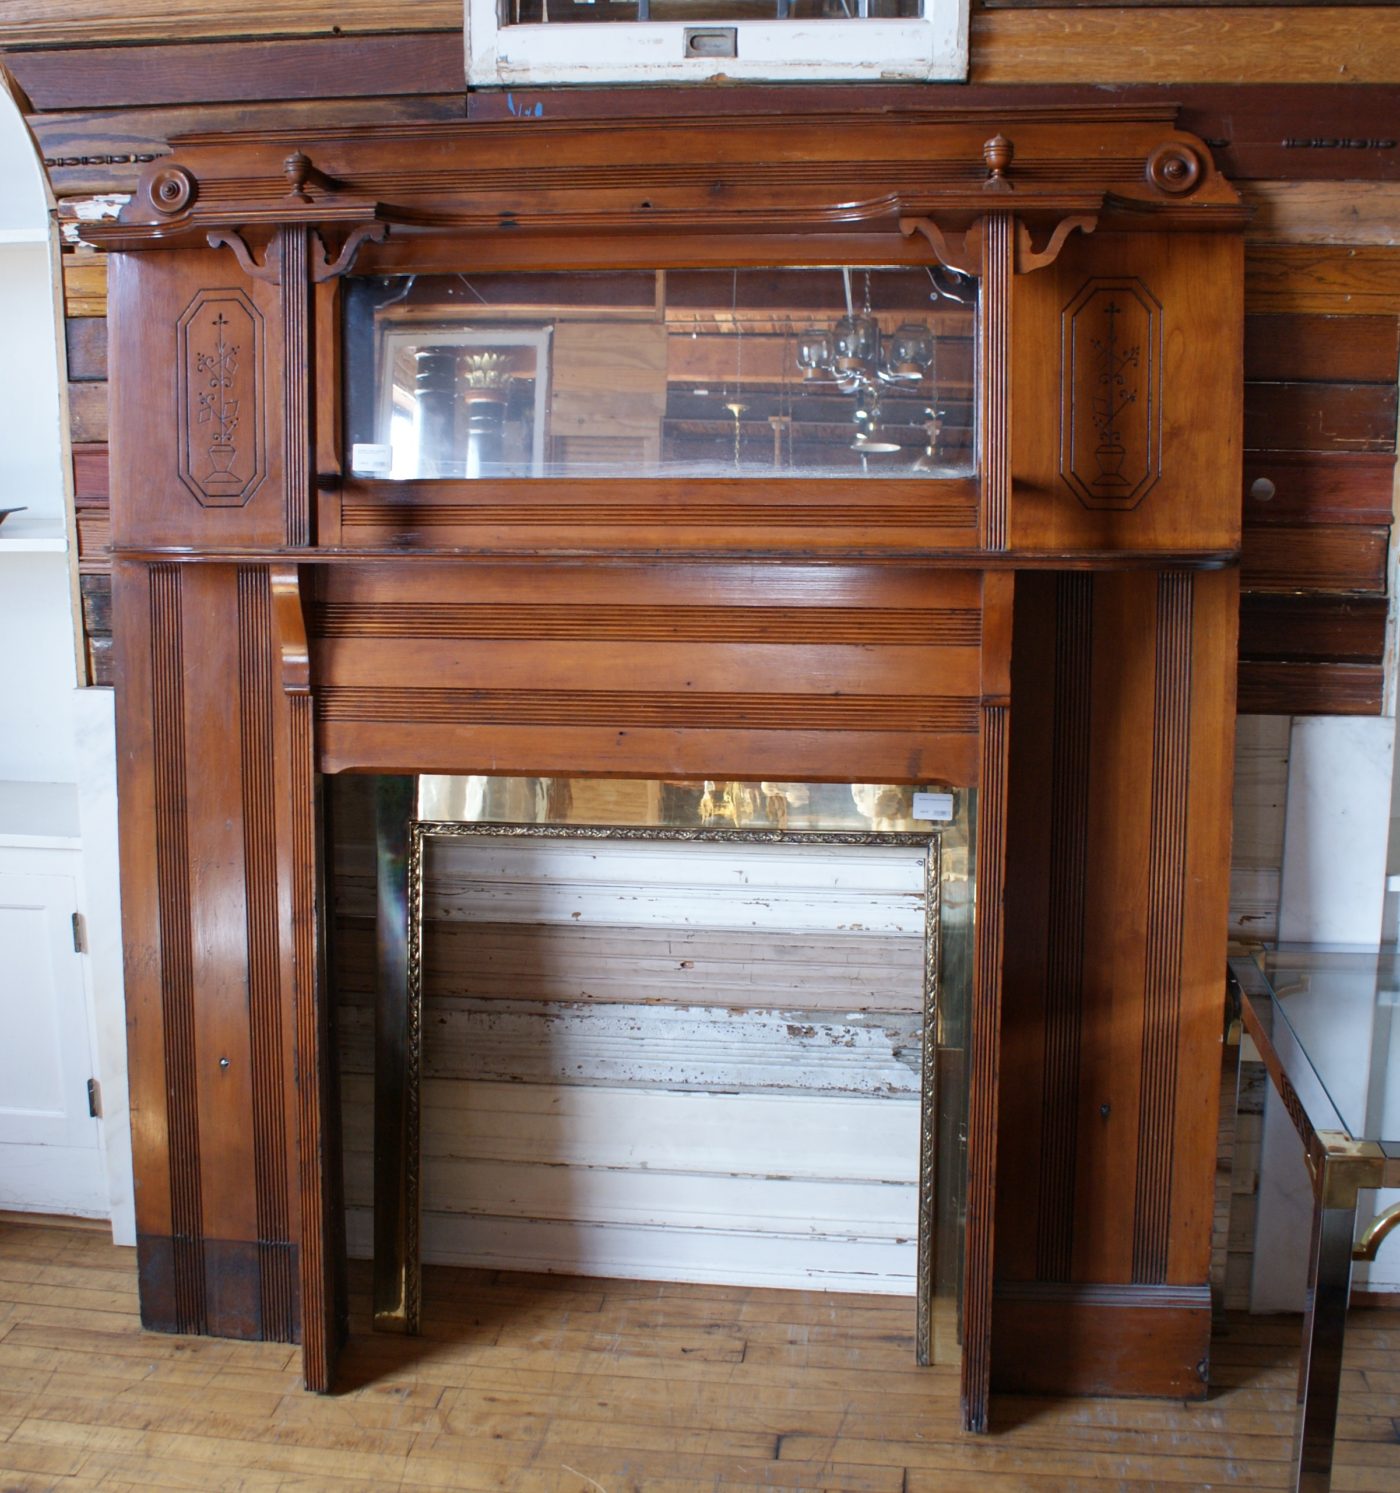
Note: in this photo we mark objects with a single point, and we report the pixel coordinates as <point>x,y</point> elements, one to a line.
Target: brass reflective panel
<point>682,804</point>
<point>814,372</point>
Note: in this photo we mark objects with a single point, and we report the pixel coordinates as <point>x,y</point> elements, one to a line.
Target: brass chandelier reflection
<point>853,355</point>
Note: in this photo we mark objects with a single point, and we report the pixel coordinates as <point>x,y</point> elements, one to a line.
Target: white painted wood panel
<point>688,966</point>
<point>674,1047</point>
<point>1261,790</point>
<point>676,885</point>
<point>786,1135</point>
<point>702,1255</point>
<point>660,1060</point>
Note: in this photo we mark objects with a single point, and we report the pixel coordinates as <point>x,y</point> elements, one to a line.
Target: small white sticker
<point>370,460</point>
<point>933,808</point>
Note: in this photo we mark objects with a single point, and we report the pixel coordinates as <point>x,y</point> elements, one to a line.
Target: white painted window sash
<point>927,48</point>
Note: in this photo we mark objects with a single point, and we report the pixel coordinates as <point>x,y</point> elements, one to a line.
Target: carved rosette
<point>1111,393</point>
<point>223,449</point>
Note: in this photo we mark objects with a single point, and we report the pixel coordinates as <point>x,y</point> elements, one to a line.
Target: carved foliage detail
<point>1111,393</point>
<point>223,449</point>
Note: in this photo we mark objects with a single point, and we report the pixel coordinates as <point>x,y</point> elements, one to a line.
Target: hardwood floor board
<point>91,1277</point>
<point>688,1408</point>
<point>698,1346</point>
<point>250,1453</point>
<point>18,1454</point>
<point>691,1402</point>
<point>444,1365</point>
<point>606,1464</point>
<point>927,1464</point>
<point>232,1421</point>
<point>552,1385</point>
<point>545,1427</point>
<point>69,1297</point>
<point>1031,1480</point>
<point>146,1391</point>
<point>112,1470</point>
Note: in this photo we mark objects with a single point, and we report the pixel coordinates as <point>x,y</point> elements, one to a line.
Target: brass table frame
<point>400,837</point>
<point>1340,1167</point>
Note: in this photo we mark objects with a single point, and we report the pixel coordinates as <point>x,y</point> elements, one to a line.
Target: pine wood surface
<point>567,1385</point>
<point>1186,44</point>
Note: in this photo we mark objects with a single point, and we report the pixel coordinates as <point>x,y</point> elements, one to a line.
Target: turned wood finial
<point>998,152</point>
<point>298,169</point>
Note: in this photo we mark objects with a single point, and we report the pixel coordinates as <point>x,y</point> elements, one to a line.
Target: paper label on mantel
<point>369,460</point>
<point>933,808</point>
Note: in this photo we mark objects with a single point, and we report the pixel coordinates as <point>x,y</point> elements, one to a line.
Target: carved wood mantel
<point>1094,714</point>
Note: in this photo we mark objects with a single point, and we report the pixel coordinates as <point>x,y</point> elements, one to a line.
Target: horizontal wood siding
<point>1321,350</point>
<point>663,1061</point>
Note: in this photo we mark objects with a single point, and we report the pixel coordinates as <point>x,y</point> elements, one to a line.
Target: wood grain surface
<point>550,1384</point>
<point>1182,44</point>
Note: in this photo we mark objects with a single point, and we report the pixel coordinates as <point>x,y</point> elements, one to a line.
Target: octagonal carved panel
<point>1111,393</point>
<point>223,448</point>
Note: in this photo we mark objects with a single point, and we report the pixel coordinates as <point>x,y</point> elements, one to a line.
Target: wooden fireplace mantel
<point>1093,709</point>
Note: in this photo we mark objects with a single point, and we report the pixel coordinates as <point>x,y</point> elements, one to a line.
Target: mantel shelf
<point>942,559</point>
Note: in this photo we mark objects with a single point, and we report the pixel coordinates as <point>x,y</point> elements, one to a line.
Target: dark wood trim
<point>172,858</point>
<point>294,261</point>
<point>239,71</point>
<point>985,1069</point>
<point>1357,349</point>
<point>1318,487</point>
<point>998,273</point>
<point>1060,1339</point>
<point>270,1138</point>
<point>1313,629</point>
<point>1311,689</point>
<point>1064,956</point>
<point>1166,930</point>
<point>92,482</point>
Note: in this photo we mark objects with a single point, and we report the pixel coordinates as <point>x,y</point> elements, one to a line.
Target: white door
<point>50,1160</point>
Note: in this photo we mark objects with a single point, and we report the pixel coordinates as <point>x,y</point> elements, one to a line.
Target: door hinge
<point>94,1099</point>
<point>78,940</point>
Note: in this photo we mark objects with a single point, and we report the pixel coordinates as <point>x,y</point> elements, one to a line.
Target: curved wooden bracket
<point>955,251</point>
<point>326,268</point>
<point>289,622</point>
<point>269,270</point>
<point>1029,258</point>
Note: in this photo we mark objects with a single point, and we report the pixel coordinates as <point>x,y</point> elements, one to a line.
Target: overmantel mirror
<point>875,449</point>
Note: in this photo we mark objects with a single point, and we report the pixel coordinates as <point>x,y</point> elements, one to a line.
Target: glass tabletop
<point>1343,1008</point>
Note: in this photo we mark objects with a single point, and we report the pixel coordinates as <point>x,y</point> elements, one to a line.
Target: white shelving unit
<point>61,1005</point>
<point>27,534</point>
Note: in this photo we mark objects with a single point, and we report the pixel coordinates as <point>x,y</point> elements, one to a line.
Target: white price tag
<point>368,460</point>
<point>934,808</point>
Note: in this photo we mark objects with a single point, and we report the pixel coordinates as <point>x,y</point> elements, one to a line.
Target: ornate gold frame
<point>398,1061</point>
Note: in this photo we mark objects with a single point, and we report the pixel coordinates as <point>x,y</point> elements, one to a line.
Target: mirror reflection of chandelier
<point>854,356</point>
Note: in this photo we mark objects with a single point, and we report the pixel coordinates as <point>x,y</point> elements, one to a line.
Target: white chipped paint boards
<point>659,1060</point>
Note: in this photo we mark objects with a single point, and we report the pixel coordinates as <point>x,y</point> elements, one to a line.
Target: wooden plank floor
<point>561,1385</point>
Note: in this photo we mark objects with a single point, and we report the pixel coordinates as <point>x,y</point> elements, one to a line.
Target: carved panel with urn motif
<point>221,398</point>
<point>1111,393</point>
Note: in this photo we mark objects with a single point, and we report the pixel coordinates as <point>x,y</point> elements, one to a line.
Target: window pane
<point>515,12</point>
<point>696,373</point>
